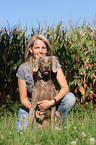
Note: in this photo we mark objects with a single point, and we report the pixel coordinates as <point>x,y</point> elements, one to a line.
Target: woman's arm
<point>23,93</point>
<point>63,84</point>
<point>63,91</point>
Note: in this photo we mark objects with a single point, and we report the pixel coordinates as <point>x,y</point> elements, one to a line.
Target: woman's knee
<point>70,99</point>
<point>67,103</point>
<point>22,120</point>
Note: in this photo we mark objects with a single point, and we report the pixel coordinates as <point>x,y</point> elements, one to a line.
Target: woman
<point>39,46</point>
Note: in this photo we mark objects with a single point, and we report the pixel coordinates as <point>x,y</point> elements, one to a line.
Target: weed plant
<point>79,129</point>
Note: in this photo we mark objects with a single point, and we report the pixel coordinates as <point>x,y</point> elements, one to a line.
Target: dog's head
<point>45,64</point>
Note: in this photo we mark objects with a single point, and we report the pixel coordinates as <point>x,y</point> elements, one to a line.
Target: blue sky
<point>49,12</point>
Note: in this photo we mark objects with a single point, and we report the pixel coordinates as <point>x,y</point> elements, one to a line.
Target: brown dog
<point>44,89</point>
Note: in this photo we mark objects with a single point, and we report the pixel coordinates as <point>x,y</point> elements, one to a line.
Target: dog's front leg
<point>53,109</point>
<point>31,117</point>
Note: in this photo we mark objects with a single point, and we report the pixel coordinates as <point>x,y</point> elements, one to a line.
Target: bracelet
<point>55,100</point>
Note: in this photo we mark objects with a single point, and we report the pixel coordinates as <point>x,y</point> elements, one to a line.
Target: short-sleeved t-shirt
<point>25,73</point>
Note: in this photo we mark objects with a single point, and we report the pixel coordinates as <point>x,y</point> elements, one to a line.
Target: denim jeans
<point>63,107</point>
<point>66,105</point>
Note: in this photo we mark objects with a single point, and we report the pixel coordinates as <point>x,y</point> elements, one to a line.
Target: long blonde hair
<point>28,56</point>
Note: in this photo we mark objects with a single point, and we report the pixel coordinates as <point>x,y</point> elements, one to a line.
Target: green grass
<point>79,127</point>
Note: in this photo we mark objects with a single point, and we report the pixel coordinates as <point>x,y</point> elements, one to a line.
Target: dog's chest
<point>44,90</point>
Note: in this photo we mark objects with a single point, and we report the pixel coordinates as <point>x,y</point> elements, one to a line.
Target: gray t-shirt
<point>25,73</point>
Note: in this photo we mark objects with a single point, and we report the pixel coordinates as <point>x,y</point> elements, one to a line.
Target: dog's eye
<point>41,61</point>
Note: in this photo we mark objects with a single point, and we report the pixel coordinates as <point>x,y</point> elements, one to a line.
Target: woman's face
<point>39,49</point>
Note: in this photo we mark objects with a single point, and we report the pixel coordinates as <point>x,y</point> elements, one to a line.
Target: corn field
<point>75,48</point>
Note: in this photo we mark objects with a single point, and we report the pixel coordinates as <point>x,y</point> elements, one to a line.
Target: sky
<point>46,12</point>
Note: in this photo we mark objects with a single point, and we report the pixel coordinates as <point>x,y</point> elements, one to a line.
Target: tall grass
<point>80,129</point>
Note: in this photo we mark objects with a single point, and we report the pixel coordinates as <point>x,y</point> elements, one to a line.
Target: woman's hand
<point>39,114</point>
<point>45,104</point>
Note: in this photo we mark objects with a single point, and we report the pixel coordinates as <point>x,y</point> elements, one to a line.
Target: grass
<point>79,129</point>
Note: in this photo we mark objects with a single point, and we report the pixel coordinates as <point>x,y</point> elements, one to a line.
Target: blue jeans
<point>66,105</point>
<point>63,107</point>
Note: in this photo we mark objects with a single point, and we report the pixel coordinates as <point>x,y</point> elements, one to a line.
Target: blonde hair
<point>28,56</point>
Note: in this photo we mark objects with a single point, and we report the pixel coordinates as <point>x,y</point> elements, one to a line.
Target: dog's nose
<point>47,67</point>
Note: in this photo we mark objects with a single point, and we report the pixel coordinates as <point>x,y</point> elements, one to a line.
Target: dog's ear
<point>54,64</point>
<point>36,64</point>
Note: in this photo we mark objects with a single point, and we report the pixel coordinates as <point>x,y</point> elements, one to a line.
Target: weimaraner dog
<point>44,89</point>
